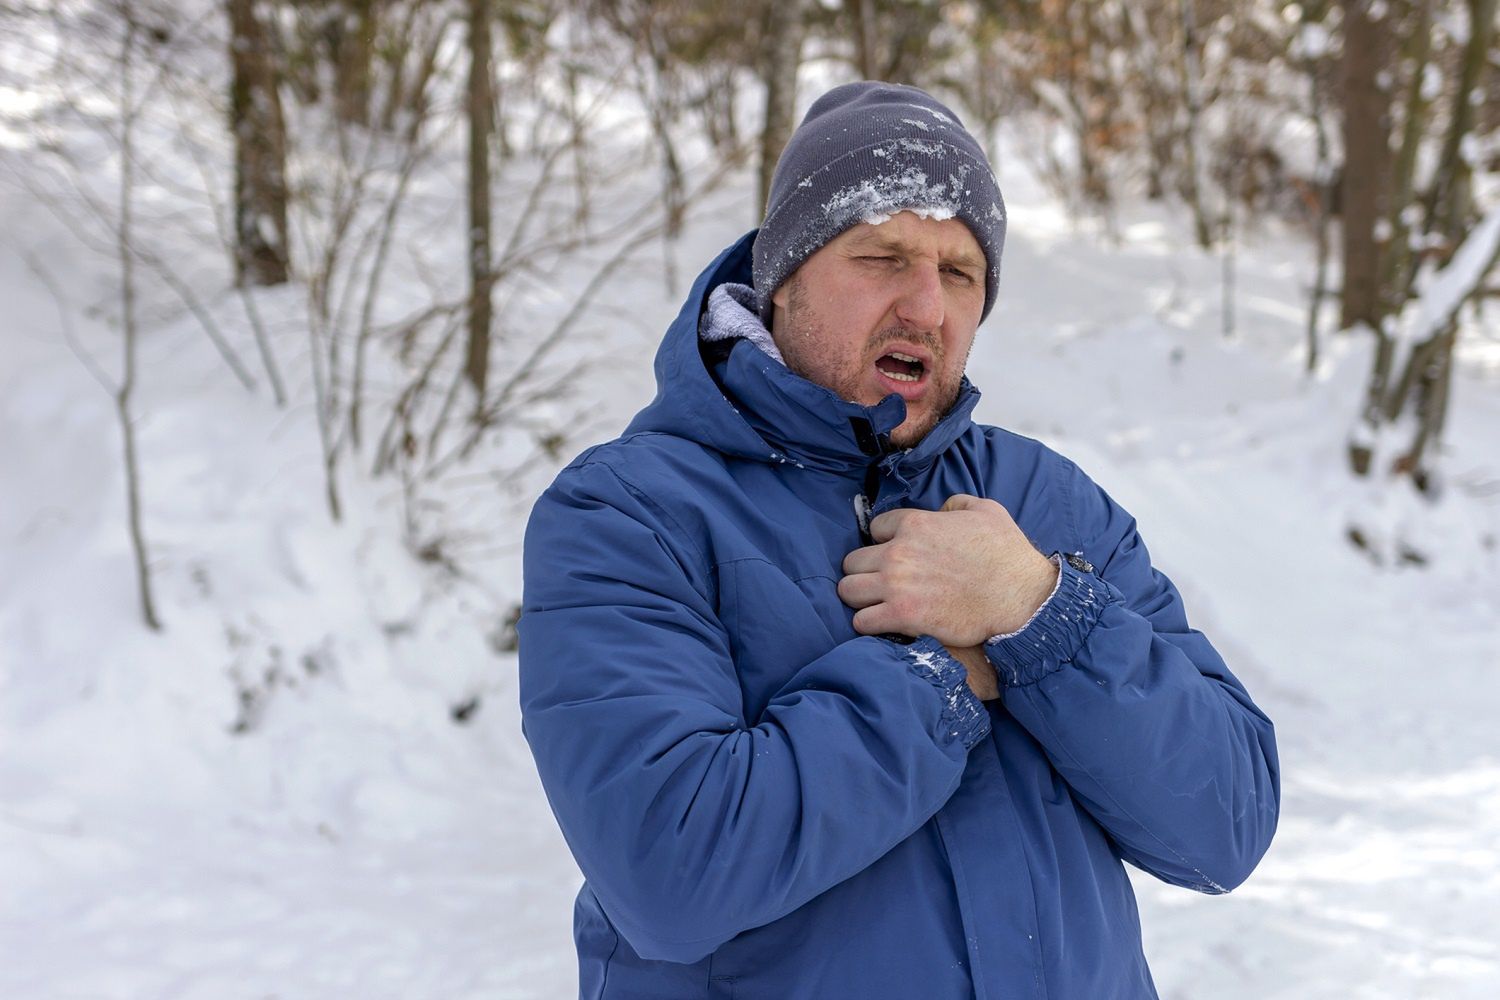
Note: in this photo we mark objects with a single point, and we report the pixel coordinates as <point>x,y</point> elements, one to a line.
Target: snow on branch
<point>1455,283</point>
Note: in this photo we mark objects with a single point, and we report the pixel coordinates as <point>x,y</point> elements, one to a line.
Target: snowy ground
<point>358,843</point>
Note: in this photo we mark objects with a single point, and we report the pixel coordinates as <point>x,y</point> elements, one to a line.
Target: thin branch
<point>70,337</point>
<point>526,369</point>
<point>415,155</point>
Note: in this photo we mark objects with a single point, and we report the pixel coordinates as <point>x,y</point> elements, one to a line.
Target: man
<point>816,715</point>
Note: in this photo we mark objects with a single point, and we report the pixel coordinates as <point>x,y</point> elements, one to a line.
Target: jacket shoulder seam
<point>646,500</point>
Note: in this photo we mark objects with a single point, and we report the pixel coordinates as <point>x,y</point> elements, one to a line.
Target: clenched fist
<point>960,574</point>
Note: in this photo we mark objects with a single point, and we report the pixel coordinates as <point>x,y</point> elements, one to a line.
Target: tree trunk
<point>865,44</point>
<point>1450,201</point>
<point>780,56</point>
<point>395,57</point>
<point>128,322</point>
<point>481,131</point>
<point>354,51</point>
<point>1365,198</point>
<point>1192,88</point>
<point>989,78</point>
<point>255,119</point>
<point>1397,272</point>
<point>1367,165</point>
<point>1428,372</point>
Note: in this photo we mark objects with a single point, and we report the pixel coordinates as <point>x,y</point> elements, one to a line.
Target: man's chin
<point>918,425</point>
<point>910,432</point>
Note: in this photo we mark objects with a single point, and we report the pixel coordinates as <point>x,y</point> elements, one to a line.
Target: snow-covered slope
<point>356,841</point>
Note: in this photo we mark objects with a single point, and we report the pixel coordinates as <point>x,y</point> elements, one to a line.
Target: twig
<point>415,155</point>
<point>127,294</point>
<point>521,373</point>
<point>69,336</point>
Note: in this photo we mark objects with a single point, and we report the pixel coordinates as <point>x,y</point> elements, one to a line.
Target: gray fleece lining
<point>731,314</point>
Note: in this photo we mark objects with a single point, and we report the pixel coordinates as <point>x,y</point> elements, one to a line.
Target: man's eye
<point>957,272</point>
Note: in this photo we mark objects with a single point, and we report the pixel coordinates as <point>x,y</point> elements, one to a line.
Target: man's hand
<point>960,574</point>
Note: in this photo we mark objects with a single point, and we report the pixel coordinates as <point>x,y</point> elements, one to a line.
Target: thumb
<point>960,501</point>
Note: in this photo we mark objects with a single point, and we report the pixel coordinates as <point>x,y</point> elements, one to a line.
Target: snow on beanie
<point>864,152</point>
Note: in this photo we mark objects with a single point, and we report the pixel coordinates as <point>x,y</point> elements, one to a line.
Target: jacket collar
<point>732,396</point>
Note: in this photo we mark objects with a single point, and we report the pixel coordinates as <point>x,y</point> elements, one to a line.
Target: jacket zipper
<point>876,447</point>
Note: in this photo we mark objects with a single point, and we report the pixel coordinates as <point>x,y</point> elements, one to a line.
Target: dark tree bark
<point>780,56</point>
<point>1397,270</point>
<point>354,52</point>
<point>1367,164</point>
<point>259,129</point>
<point>481,130</point>
<point>1365,199</point>
<point>865,46</point>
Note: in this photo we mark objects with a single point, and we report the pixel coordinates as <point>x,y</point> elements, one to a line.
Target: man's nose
<point>920,304</point>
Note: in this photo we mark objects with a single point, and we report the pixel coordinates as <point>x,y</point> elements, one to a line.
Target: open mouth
<point>901,367</point>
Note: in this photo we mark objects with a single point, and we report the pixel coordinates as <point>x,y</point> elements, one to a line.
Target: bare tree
<point>481,119</point>
<point>129,112</point>
<point>1427,375</point>
<point>1192,147</point>
<point>780,55</point>
<point>1382,256</point>
<point>894,40</point>
<point>1367,156</point>
<point>354,24</point>
<point>259,129</point>
<point>1317,194</point>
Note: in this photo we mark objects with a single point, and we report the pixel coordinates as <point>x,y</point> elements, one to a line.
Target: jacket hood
<point>734,398</point>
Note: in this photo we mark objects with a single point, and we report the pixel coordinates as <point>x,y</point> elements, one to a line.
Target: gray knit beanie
<point>864,152</point>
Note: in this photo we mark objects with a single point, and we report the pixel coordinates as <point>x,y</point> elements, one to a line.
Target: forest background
<point>307,301</point>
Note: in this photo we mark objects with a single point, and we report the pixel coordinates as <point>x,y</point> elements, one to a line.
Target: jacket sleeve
<point>690,824</point>
<point>1139,714</point>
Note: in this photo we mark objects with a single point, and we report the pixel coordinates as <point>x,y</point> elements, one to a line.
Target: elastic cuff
<point>1055,633</point>
<point>964,715</point>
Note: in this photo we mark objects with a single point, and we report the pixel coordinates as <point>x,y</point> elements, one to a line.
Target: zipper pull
<point>862,518</point>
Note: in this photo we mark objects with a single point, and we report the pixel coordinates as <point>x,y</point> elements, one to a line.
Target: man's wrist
<point>1055,633</point>
<point>1046,590</point>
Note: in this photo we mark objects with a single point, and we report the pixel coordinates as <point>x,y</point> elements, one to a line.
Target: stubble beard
<point>845,377</point>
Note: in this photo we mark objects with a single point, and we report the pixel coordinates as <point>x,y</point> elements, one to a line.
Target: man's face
<point>889,308</point>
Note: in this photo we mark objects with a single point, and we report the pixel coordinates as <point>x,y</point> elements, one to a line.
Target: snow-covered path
<point>358,843</point>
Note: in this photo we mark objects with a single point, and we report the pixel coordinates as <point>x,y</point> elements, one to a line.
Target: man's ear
<point>779,299</point>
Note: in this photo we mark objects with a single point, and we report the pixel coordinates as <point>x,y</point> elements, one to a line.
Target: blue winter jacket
<point>766,804</point>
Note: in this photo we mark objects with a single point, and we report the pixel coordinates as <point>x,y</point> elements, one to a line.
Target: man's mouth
<point>901,367</point>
